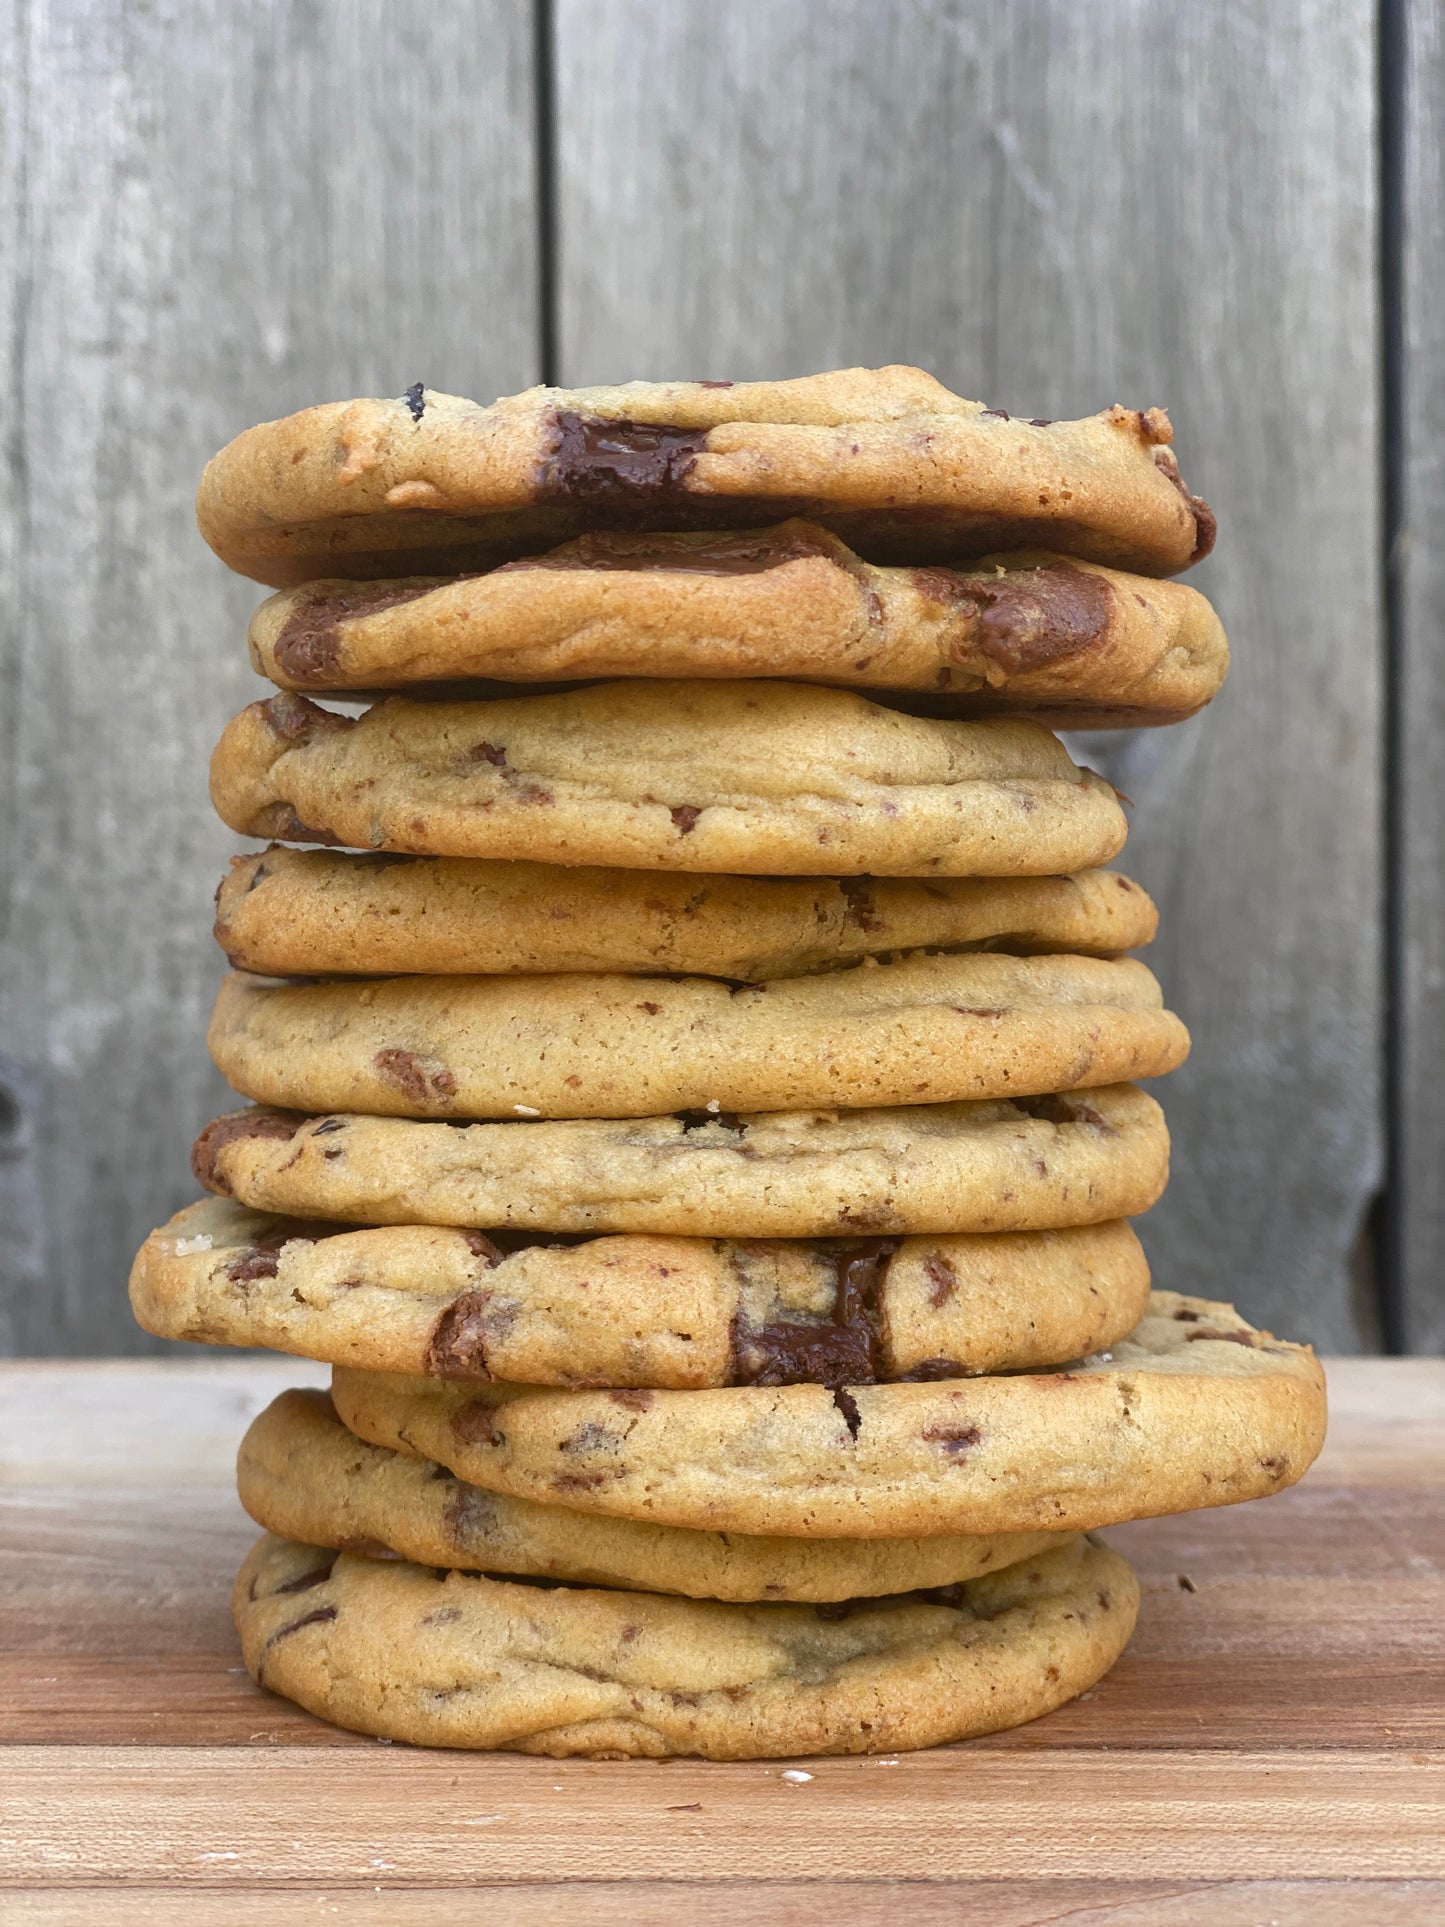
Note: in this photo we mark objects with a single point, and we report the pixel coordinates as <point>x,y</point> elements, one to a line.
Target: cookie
<point>762,779</point>
<point>1194,1408</point>
<point>302,1475</point>
<point>1027,633</point>
<point>455,1659</point>
<point>887,458</point>
<point>675,1312</point>
<point>1030,1165</point>
<point>923,1030</point>
<point>293,913</point>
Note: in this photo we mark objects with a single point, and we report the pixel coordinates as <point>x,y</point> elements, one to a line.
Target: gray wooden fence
<point>216,211</point>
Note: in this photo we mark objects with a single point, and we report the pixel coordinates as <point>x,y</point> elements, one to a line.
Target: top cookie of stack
<point>780,920</point>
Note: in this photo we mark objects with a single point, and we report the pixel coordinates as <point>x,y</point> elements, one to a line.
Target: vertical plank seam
<point>544,136</point>
<point>1392,78</point>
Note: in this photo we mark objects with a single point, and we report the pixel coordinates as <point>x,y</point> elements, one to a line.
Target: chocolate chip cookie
<point>302,1475</point>
<point>887,458</point>
<point>756,779</point>
<point>455,1659</point>
<point>1033,1164</point>
<point>1194,1408</point>
<point>643,1311</point>
<point>922,1030</point>
<point>295,913</point>
<point>1019,634</point>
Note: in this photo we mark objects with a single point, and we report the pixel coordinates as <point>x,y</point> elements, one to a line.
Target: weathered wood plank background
<point>214,213</point>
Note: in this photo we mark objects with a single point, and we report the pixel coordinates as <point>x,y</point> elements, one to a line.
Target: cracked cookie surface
<point>887,458</point>
<point>637,1311</point>
<point>1031,1165</point>
<point>296,913</point>
<point>455,1659</point>
<point>1020,634</point>
<point>1193,1408</point>
<point>748,778</point>
<point>303,1476</point>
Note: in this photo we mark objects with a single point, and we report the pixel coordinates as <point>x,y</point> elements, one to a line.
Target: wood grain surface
<point>1271,1747</point>
<point>215,214</point>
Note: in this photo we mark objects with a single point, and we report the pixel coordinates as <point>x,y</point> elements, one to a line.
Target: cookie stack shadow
<point>693,1057</point>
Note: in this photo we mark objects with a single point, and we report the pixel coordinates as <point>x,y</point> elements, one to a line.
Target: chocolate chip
<point>253,1264</point>
<point>306,1580</point>
<point>859,899</point>
<point>475,1424</point>
<point>1026,618</point>
<point>296,719</point>
<point>491,753</point>
<point>633,1399</point>
<point>848,1406</point>
<point>231,1129</point>
<point>457,1347</point>
<point>419,1078</point>
<point>942,1280</point>
<point>617,463</point>
<point>931,1371</point>
<point>308,649</point>
<point>1223,1338</point>
<point>415,399</point>
<point>685,817</point>
<point>481,1246</point>
<point>837,1353</point>
<point>997,414</point>
<point>1054,1109</point>
<point>955,1439</point>
<point>330,1125</point>
<point>318,1618</point>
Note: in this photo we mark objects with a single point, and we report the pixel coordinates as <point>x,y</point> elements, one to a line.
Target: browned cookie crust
<point>1194,1408</point>
<point>682,1313</point>
<point>1035,1164</point>
<point>294,913</point>
<point>886,458</point>
<point>923,1030</point>
<point>756,778</point>
<point>1029,633</point>
<point>302,1475</point>
<point>455,1659</point>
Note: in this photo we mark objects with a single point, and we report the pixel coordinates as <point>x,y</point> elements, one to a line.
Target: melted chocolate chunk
<point>1223,1338</point>
<point>848,1406</point>
<point>492,753</point>
<point>253,1264</point>
<point>458,1344</point>
<point>838,1353</point>
<point>230,1129</point>
<point>415,399</point>
<point>685,816</point>
<point>931,1371</point>
<point>308,648</point>
<point>416,1077</point>
<point>1027,618</point>
<point>617,464</point>
<point>674,554</point>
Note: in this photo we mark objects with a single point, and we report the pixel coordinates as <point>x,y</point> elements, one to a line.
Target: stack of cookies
<point>694,1103</point>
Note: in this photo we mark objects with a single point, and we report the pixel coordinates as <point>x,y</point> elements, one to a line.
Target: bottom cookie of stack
<point>456,1659</point>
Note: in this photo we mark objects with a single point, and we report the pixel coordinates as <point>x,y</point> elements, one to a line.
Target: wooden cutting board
<point>1270,1749</point>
